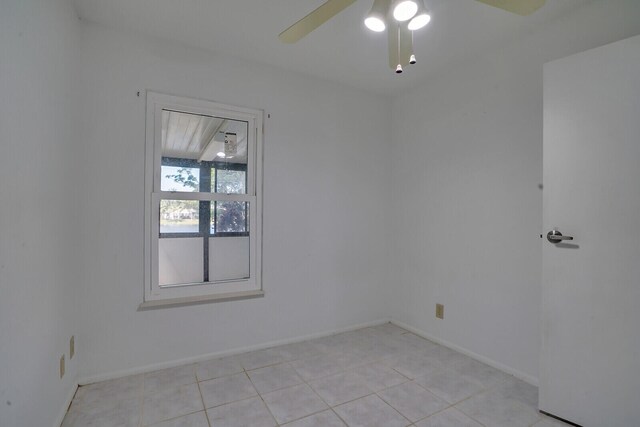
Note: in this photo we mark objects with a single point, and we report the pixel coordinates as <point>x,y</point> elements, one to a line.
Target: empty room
<point>319,213</point>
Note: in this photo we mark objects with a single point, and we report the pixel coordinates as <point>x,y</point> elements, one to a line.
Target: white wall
<point>467,165</point>
<point>39,217</point>
<point>325,180</point>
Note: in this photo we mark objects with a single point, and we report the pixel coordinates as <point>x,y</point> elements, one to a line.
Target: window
<point>203,201</point>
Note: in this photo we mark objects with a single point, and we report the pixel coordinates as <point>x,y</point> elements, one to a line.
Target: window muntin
<point>204,227</point>
<point>183,175</point>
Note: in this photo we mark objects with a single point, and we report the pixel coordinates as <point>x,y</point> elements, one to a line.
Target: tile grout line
<point>174,418</point>
<point>262,399</point>
<point>197,383</point>
<point>308,415</point>
<point>305,416</point>
<point>401,414</point>
<point>204,407</point>
<point>339,417</point>
<point>446,409</point>
<point>140,422</point>
<point>342,403</point>
<point>486,390</point>
<point>464,400</point>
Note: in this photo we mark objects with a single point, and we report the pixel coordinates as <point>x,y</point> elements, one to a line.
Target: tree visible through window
<point>183,216</point>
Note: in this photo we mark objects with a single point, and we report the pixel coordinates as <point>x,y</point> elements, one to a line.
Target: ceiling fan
<point>399,17</point>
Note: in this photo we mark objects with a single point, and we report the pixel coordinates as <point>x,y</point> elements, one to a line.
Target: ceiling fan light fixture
<point>419,21</point>
<point>376,18</point>
<point>403,10</point>
<point>421,18</point>
<point>375,23</point>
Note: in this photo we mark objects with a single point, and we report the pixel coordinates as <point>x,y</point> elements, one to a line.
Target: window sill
<point>174,302</point>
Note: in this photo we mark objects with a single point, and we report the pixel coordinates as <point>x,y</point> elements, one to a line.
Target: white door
<point>590,354</point>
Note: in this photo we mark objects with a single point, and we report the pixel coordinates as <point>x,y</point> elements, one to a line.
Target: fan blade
<point>313,20</point>
<point>400,45</point>
<point>520,7</point>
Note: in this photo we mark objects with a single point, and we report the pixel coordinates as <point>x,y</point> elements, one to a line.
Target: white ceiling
<point>199,137</point>
<point>342,50</point>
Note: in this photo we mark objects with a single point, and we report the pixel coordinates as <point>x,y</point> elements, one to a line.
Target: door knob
<point>554,236</point>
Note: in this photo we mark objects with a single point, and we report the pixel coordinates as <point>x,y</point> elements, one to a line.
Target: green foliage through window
<point>185,177</point>
<point>183,216</point>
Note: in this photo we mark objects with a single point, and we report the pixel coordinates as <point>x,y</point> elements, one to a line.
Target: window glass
<point>229,217</point>
<point>177,178</point>
<point>180,261</point>
<point>231,181</point>
<point>179,216</point>
<point>229,258</point>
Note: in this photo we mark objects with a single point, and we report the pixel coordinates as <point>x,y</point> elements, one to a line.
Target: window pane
<point>231,181</point>
<point>230,217</point>
<point>192,139</point>
<point>179,216</point>
<point>229,258</point>
<point>178,178</point>
<point>180,261</point>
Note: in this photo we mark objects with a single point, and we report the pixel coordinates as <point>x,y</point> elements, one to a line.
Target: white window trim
<point>155,295</point>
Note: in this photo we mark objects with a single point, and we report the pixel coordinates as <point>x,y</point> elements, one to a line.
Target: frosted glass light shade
<point>375,23</point>
<point>403,10</point>
<point>377,16</point>
<point>419,21</point>
<point>421,18</point>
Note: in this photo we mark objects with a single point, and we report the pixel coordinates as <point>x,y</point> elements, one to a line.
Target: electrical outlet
<point>72,346</point>
<point>440,311</point>
<point>62,366</point>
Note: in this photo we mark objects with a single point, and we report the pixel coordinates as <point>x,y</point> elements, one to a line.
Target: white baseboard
<point>67,403</point>
<point>170,364</point>
<point>504,368</point>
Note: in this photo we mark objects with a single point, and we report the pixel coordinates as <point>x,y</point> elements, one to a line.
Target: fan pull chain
<point>399,67</point>
<point>412,58</point>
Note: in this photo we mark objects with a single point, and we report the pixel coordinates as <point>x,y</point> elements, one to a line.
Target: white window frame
<point>213,290</point>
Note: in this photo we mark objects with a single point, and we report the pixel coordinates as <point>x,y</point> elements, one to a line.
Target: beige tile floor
<point>380,376</point>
